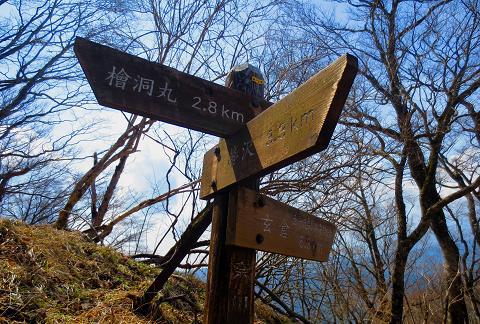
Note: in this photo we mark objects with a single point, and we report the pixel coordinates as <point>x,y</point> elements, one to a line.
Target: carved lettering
<point>307,243</point>
<point>241,270</point>
<point>281,129</point>
<point>267,223</point>
<point>293,124</point>
<point>284,230</point>
<point>270,138</point>
<point>305,117</point>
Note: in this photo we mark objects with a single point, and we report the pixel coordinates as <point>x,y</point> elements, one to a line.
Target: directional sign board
<point>294,128</point>
<point>138,86</point>
<point>262,223</point>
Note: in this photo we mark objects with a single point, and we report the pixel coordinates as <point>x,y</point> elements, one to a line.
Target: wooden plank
<point>132,84</point>
<point>295,127</point>
<point>231,273</point>
<point>231,269</point>
<point>263,223</point>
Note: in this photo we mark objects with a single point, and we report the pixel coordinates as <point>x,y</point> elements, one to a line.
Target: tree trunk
<point>457,308</point>
<point>398,284</point>
<point>175,256</point>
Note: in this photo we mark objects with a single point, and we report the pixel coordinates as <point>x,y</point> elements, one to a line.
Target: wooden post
<point>231,269</point>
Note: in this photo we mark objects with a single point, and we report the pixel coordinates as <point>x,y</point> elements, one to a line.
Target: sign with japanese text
<point>297,126</point>
<point>262,223</point>
<point>132,84</point>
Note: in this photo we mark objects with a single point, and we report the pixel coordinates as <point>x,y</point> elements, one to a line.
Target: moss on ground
<point>52,276</point>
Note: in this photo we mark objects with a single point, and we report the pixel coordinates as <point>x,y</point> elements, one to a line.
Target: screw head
<point>260,201</point>
<point>259,238</point>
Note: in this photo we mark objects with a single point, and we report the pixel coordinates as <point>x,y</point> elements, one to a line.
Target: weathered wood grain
<point>231,269</point>
<point>295,127</point>
<point>262,223</point>
<point>132,84</point>
<point>231,273</point>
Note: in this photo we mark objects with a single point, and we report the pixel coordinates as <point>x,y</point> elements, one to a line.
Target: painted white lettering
<point>118,79</point>
<point>237,116</point>
<point>166,92</point>
<point>234,155</point>
<point>247,150</point>
<point>267,223</point>
<point>143,84</point>
<point>225,112</point>
<point>198,101</point>
<point>212,107</point>
<point>284,230</point>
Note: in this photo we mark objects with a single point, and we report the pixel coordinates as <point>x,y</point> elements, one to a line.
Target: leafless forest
<point>400,178</point>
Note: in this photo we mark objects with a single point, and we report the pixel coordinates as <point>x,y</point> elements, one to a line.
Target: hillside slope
<point>50,276</point>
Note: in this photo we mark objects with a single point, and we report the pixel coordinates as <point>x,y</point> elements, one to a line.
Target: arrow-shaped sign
<point>130,83</point>
<point>294,128</point>
<point>258,222</point>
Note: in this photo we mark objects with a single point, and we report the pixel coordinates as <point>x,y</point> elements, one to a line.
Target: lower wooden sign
<point>262,223</point>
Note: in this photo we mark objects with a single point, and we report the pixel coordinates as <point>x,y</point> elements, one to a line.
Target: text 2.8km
<point>219,110</point>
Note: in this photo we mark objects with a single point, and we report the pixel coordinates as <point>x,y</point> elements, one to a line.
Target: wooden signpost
<point>132,84</point>
<point>254,143</point>
<point>231,269</point>
<point>262,223</point>
<point>294,128</point>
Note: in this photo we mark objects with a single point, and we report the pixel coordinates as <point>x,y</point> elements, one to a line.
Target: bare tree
<point>39,84</point>
<point>419,72</point>
<point>201,38</point>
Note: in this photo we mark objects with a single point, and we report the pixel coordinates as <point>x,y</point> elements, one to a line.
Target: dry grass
<point>55,276</point>
<point>52,276</point>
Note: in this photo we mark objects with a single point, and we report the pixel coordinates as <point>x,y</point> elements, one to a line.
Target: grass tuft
<point>53,276</point>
